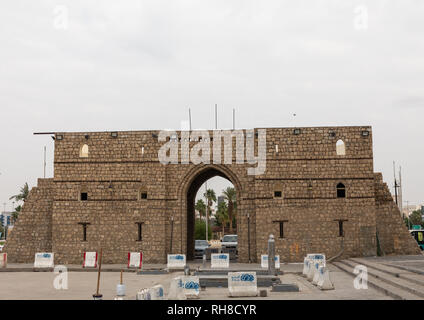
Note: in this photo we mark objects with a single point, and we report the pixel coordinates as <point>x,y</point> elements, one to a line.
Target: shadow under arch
<point>190,186</point>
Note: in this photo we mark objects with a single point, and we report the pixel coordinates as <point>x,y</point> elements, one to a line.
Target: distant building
<point>6,218</point>
<point>407,210</point>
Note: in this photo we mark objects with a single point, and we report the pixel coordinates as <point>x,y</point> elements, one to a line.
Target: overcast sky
<point>103,65</point>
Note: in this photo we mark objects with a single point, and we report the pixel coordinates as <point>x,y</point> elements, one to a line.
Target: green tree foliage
<point>415,218</point>
<point>230,197</point>
<point>199,230</point>
<point>211,198</point>
<point>15,214</point>
<point>22,195</point>
<point>222,218</point>
<point>200,207</point>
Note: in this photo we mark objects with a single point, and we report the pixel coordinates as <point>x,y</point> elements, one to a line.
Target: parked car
<point>200,247</point>
<point>229,241</point>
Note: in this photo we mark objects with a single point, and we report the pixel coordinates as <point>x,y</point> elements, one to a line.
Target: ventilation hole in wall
<point>278,194</point>
<point>84,196</point>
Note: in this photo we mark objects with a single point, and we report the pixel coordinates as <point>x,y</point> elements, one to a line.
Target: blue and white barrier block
<point>191,286</point>
<point>44,260</point>
<point>242,284</point>
<point>220,260</point>
<point>264,261</point>
<point>176,261</point>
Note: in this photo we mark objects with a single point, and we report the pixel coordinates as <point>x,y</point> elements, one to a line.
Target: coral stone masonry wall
<point>127,187</point>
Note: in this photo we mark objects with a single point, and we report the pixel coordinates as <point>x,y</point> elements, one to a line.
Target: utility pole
<point>400,190</point>
<point>396,185</point>
<point>44,162</point>
<point>207,210</point>
<point>189,118</point>
<point>216,116</point>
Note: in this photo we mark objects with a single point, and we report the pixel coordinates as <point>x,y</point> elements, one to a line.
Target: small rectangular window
<point>277,194</point>
<point>341,230</point>
<point>84,196</point>
<point>139,231</point>
<point>143,195</point>
<point>281,229</point>
<point>84,230</point>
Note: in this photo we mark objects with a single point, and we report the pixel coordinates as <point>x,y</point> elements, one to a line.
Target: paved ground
<point>81,285</point>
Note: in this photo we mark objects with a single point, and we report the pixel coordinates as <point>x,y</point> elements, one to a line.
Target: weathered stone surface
<point>306,169</point>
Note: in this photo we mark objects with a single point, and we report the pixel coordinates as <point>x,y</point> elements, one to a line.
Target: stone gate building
<point>110,191</point>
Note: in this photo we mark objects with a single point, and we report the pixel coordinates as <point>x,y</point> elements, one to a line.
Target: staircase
<point>396,282</point>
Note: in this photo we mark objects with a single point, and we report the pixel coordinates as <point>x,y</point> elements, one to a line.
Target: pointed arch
<point>84,151</point>
<point>341,190</point>
<point>340,148</point>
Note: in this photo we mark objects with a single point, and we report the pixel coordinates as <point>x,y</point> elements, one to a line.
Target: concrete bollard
<point>317,274</point>
<point>271,255</point>
<point>306,265</point>
<point>325,282</point>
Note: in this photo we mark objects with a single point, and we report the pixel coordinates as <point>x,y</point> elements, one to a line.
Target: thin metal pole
<point>207,210</point>
<point>396,186</point>
<point>172,231</point>
<point>216,116</point>
<point>44,162</point>
<point>99,272</point>
<point>234,119</point>
<point>189,117</point>
<point>248,236</point>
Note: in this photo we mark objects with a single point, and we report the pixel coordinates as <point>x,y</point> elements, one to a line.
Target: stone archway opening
<point>195,192</point>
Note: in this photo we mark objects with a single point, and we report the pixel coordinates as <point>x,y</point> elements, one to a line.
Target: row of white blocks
<point>315,271</point>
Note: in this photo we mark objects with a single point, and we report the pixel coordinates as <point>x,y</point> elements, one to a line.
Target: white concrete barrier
<point>191,286</point>
<point>324,282</point>
<point>220,260</point>
<point>306,265</point>
<point>144,294</point>
<point>264,261</point>
<point>316,277</point>
<point>3,260</point>
<point>44,260</point>
<point>135,260</point>
<point>317,257</point>
<point>242,284</point>
<point>176,289</point>
<point>157,292</point>
<point>90,260</point>
<point>176,261</point>
<point>312,270</point>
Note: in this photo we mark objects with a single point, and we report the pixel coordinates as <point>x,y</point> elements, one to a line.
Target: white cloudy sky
<point>139,65</point>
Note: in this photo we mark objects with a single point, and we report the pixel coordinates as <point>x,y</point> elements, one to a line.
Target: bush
<point>199,230</point>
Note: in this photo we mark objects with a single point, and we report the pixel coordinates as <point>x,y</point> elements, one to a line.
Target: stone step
<point>392,270</point>
<point>262,272</point>
<point>378,284</point>
<point>402,284</point>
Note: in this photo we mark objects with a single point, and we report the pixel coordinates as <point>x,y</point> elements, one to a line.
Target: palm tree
<point>222,215</point>
<point>23,195</point>
<point>230,196</point>
<point>211,198</point>
<point>200,207</point>
<point>15,214</point>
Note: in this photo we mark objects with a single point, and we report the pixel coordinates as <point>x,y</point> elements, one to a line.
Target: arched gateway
<point>122,196</point>
<point>191,184</point>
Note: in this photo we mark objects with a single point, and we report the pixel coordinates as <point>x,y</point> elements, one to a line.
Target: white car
<point>229,241</point>
<point>1,247</point>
